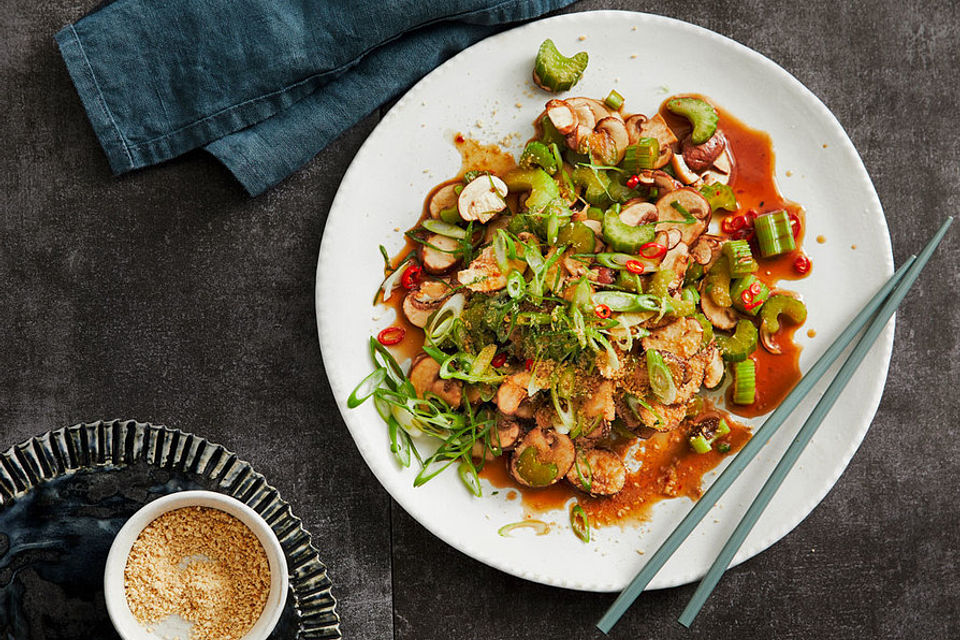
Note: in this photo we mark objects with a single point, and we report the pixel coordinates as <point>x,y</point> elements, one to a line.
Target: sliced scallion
<point>516,285</point>
<point>539,527</point>
<point>580,523</point>
<point>621,301</point>
<point>468,474</point>
<point>661,380</point>
<point>366,387</point>
<point>444,228</point>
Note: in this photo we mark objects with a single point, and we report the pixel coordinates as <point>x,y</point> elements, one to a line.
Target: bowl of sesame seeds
<point>195,565</point>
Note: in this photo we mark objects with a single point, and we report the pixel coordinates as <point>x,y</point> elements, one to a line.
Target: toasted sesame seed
<point>201,564</point>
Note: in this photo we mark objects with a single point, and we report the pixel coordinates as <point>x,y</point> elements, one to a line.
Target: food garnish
<point>582,302</point>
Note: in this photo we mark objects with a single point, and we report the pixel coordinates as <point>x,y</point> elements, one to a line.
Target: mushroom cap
<point>482,198</point>
<point>561,116</point>
<point>425,377</point>
<point>445,198</point>
<point>700,157</point>
<point>551,448</point>
<point>694,203</point>
<point>724,318</point>
<point>604,470</point>
<point>609,140</point>
<point>638,211</point>
<point>419,304</point>
<point>438,261</point>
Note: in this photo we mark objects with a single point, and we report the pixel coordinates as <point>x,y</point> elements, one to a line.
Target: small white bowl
<point>122,618</point>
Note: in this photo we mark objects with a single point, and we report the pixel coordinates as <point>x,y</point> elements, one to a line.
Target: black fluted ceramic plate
<point>65,494</point>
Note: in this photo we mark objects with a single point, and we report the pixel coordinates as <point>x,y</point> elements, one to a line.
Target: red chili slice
<point>802,264</point>
<point>652,250</point>
<point>411,276</point>
<point>528,364</point>
<point>756,288</point>
<point>633,181</point>
<point>498,360</point>
<point>752,305</point>
<point>795,226</point>
<point>602,311</point>
<point>732,224</point>
<point>391,336</point>
<point>635,266</point>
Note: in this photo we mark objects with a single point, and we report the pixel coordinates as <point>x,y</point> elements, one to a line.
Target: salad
<point>607,291</point>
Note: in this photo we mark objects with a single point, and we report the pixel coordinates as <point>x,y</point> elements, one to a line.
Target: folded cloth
<point>263,85</point>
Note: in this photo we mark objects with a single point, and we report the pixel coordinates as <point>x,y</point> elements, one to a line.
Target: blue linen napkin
<point>263,85</point>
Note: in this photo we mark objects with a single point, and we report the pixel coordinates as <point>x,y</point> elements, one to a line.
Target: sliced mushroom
<point>713,373</point>
<point>769,343</point>
<point>670,238</point>
<point>634,125</point>
<point>693,203</point>
<point>503,437</point>
<point>419,304</point>
<point>677,260</point>
<point>682,338</point>
<point>602,470</point>
<point>724,318</point>
<point>656,127</point>
<point>683,172</point>
<point>561,116</point>
<point>706,250</point>
<point>659,179</point>
<point>699,157</point>
<point>589,111</point>
<point>512,391</point>
<point>542,458</point>
<point>483,198</point>
<point>723,163</point>
<point>609,141</point>
<point>425,377</point>
<point>445,198</point>
<point>441,259</point>
<point>638,211</point>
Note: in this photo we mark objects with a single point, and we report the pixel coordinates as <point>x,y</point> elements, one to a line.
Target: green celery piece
<point>537,154</point>
<point>741,344</point>
<point>621,236</point>
<point>742,284</point>
<point>717,282</point>
<point>579,236</point>
<point>554,72</point>
<point>543,189</point>
<point>538,474</point>
<point>781,304</point>
<point>596,184</point>
<point>701,115</point>
<point>720,196</point>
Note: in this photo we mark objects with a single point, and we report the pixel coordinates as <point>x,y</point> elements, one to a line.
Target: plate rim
<point>884,342</point>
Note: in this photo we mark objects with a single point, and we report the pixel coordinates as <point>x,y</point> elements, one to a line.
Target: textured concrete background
<point>169,296</point>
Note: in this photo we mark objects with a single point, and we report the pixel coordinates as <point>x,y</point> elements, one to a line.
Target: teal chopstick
<point>807,431</point>
<point>743,458</point>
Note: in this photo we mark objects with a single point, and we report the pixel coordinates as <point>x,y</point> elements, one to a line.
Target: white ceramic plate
<point>478,93</point>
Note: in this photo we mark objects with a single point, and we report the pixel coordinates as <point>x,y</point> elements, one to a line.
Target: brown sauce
<point>667,466</point>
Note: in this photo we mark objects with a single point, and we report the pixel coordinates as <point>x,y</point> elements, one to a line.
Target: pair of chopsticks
<point>874,317</point>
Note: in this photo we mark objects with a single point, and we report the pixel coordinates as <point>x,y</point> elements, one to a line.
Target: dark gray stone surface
<point>168,295</point>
